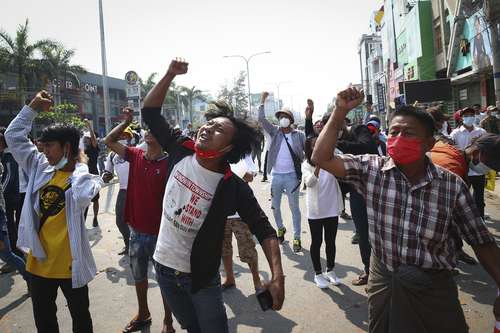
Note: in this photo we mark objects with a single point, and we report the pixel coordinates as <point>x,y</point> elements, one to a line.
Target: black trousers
<point>265,166</point>
<point>120,216</point>
<point>330,225</point>
<point>43,297</point>
<point>478,183</point>
<point>344,188</point>
<point>360,218</point>
<point>11,207</point>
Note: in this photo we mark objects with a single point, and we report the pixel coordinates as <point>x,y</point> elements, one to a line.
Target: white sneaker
<point>332,278</point>
<point>321,281</point>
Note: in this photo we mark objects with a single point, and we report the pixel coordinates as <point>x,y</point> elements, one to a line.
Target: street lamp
<point>247,60</point>
<point>278,88</point>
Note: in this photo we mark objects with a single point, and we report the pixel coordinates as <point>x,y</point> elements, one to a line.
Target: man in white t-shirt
<point>463,137</point>
<point>285,157</point>
<point>200,194</point>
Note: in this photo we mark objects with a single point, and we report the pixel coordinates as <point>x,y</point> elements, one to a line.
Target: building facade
<point>425,41</point>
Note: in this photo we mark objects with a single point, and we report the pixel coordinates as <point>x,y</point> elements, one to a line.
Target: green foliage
<point>236,95</point>
<point>19,55</point>
<point>61,114</point>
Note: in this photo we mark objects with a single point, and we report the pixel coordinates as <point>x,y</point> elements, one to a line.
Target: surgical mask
<point>62,162</point>
<point>480,168</point>
<point>495,114</point>
<point>404,150</point>
<point>284,122</point>
<point>482,115</point>
<point>123,142</point>
<point>209,154</point>
<point>468,121</point>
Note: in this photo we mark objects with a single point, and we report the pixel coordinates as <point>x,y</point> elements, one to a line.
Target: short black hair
<point>63,134</point>
<point>246,134</point>
<point>421,116</point>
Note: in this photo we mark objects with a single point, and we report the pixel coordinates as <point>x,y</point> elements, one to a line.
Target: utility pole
<point>492,13</point>
<point>107,120</point>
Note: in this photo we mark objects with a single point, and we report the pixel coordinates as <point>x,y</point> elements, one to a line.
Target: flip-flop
<point>227,286</point>
<point>137,325</point>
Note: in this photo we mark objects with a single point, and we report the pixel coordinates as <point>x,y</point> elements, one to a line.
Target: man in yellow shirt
<point>52,226</point>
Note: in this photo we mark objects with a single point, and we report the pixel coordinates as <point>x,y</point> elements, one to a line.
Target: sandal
<point>137,325</point>
<point>361,280</point>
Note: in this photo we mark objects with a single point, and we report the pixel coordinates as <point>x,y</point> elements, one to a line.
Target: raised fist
<point>128,114</point>
<point>349,99</point>
<point>178,67</point>
<point>309,109</point>
<point>42,101</point>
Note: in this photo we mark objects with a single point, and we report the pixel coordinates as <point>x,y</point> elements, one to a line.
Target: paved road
<point>306,309</point>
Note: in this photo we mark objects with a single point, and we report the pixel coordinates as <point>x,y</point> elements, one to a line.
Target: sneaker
<point>332,278</point>
<point>355,238</point>
<point>321,281</point>
<point>281,235</point>
<point>297,245</point>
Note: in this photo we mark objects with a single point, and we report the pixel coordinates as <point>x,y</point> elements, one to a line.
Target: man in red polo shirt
<point>146,185</point>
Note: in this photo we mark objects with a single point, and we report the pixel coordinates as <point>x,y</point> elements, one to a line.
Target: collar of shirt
<point>463,129</point>
<point>432,172</point>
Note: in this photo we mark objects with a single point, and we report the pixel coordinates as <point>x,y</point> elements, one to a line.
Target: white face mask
<point>468,121</point>
<point>480,168</point>
<point>62,162</point>
<point>123,142</point>
<point>495,114</point>
<point>284,122</point>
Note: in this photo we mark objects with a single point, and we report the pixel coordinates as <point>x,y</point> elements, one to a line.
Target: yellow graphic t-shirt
<point>54,232</point>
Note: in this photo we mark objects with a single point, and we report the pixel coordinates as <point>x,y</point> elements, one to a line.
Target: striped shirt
<point>84,187</point>
<point>415,224</point>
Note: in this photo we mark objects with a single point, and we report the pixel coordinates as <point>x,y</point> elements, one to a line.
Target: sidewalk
<point>306,309</point>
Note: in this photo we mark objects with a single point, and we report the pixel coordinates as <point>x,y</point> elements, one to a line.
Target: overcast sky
<point>313,42</point>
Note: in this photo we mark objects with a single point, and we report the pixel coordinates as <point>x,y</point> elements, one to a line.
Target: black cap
<point>489,144</point>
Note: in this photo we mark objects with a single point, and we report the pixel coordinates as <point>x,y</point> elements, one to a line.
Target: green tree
<point>56,64</point>
<point>190,95</point>
<point>236,95</point>
<point>61,114</point>
<point>19,55</point>
<point>148,85</point>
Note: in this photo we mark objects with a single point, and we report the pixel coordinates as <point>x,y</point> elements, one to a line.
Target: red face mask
<point>207,154</point>
<point>404,150</point>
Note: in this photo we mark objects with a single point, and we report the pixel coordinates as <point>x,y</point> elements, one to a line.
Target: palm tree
<point>191,94</point>
<point>148,85</point>
<point>19,55</point>
<point>56,64</point>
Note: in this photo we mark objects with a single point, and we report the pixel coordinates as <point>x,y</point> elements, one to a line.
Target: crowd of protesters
<point>416,192</point>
